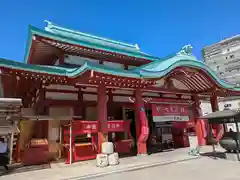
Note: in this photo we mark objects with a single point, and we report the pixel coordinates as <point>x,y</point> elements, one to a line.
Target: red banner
<point>118,126</point>
<point>170,112</point>
<point>84,127</point>
<point>170,109</point>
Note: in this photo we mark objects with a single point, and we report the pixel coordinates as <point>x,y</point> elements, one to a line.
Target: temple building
<point>79,90</point>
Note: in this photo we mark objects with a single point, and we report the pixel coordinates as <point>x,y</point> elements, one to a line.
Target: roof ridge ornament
<point>186,50</point>
<point>137,47</point>
<point>49,23</point>
<point>56,29</point>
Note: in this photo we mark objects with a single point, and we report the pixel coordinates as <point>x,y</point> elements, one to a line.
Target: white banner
<point>170,118</point>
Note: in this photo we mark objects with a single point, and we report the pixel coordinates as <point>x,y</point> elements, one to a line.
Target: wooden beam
<point>31,51</point>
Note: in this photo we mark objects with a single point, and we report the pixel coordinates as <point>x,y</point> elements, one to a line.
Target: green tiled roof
<point>53,28</point>
<point>78,38</point>
<point>68,72</point>
<point>156,69</point>
<point>162,68</point>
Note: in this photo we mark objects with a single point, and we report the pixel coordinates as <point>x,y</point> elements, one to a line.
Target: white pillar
<point>11,148</point>
<point>70,142</point>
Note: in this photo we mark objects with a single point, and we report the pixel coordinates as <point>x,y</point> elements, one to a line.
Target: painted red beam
<point>110,77</point>
<point>146,89</point>
<point>116,84</point>
<point>35,75</point>
<point>150,89</point>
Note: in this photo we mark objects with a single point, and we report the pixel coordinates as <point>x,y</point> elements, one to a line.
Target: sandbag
<point>107,148</point>
<point>113,159</point>
<point>102,160</point>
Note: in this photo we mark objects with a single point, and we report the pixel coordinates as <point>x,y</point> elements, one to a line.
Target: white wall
<point>61,96</point>
<point>206,106</point>
<point>61,87</point>
<point>114,65</point>
<point>234,104</point>
<point>77,60</point>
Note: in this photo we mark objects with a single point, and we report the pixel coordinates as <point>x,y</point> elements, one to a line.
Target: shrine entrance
<point>169,125</point>
<point>129,114</point>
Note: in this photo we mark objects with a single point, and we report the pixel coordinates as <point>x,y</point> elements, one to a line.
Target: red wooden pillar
<point>199,125</point>
<point>102,116</point>
<point>61,59</point>
<point>141,122</point>
<point>214,103</point>
<point>110,105</point>
<point>80,108</point>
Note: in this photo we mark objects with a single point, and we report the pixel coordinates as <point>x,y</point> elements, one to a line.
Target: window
<point>218,67</point>
<point>221,73</point>
<point>232,56</point>
<point>228,50</point>
<point>226,57</point>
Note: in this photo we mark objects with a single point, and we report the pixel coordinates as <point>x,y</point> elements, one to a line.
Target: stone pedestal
<point>232,156</point>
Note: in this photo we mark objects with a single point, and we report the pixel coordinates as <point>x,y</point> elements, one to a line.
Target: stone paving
<point>199,169</point>
<point>88,170</point>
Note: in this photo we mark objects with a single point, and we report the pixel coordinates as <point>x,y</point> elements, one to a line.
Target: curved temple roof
<point>154,70</point>
<point>65,35</point>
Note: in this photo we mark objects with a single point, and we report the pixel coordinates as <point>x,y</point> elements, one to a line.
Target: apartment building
<point>224,58</point>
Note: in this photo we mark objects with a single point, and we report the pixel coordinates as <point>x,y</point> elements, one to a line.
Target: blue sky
<point>160,27</point>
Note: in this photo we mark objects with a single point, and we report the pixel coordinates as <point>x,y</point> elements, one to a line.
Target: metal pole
<point>213,145</point>
<point>60,135</point>
<point>60,142</point>
<point>70,141</point>
<point>11,148</point>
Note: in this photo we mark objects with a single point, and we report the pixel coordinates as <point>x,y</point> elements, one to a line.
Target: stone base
<point>142,154</point>
<point>232,156</point>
